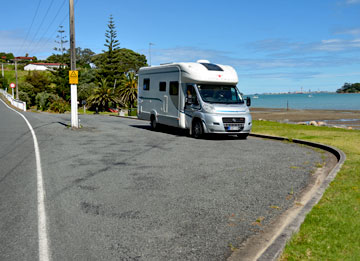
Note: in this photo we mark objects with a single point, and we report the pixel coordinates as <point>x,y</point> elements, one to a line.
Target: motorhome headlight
<point>208,107</point>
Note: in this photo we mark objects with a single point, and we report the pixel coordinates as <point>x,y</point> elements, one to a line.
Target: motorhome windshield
<point>220,94</point>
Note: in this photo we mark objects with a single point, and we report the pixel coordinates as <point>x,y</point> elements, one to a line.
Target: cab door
<point>191,104</point>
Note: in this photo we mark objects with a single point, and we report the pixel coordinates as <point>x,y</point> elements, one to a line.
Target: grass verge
<point>87,112</point>
<point>331,231</point>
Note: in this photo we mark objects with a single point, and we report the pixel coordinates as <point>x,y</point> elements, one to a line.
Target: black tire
<point>243,136</point>
<point>153,123</point>
<point>197,129</point>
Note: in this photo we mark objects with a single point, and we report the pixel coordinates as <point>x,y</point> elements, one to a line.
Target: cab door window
<point>191,97</point>
<point>174,93</point>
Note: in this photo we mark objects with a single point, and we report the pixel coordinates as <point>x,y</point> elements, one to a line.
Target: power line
<point>52,36</point>
<point>61,23</point>
<point>32,22</point>
<point>34,46</point>
<point>42,21</point>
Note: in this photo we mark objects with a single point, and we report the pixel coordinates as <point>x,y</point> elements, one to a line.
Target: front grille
<point>233,120</point>
<point>233,124</point>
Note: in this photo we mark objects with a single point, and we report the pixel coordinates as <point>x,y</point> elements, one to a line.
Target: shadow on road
<point>64,124</point>
<point>184,133</point>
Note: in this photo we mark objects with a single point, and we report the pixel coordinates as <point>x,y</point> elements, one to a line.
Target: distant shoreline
<point>315,101</point>
<point>290,93</point>
<point>339,118</point>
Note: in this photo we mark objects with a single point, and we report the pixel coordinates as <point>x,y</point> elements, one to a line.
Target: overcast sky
<point>275,46</point>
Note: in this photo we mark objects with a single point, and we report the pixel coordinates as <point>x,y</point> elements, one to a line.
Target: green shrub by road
<point>331,231</point>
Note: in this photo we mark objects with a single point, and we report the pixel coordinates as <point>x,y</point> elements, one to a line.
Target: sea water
<point>321,101</point>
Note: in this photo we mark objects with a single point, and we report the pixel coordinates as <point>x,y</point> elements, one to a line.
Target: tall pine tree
<point>108,69</point>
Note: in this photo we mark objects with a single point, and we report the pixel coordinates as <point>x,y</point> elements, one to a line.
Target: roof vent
<point>202,61</point>
<point>212,67</point>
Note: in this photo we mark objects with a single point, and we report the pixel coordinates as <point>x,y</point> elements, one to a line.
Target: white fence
<point>17,103</point>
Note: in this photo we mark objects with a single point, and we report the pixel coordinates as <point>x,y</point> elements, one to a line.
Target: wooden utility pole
<point>72,36</point>
<point>16,81</point>
<point>74,105</point>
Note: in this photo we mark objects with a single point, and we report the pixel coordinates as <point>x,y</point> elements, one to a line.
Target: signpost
<point>84,103</point>
<point>12,86</point>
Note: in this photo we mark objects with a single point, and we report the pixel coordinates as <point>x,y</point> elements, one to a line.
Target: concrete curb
<point>273,246</point>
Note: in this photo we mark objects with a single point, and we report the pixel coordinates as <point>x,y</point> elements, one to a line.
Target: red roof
<point>48,64</point>
<point>24,58</point>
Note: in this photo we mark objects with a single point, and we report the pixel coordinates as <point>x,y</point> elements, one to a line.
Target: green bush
<point>23,96</point>
<point>39,80</point>
<point>132,112</point>
<point>27,88</point>
<point>85,90</point>
<point>59,105</point>
<point>87,76</point>
<point>46,101</point>
<point>43,100</point>
<point>4,83</point>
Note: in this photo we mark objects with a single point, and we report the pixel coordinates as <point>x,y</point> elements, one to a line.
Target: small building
<point>42,66</point>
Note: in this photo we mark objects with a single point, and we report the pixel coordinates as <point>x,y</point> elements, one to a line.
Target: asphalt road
<point>118,191</point>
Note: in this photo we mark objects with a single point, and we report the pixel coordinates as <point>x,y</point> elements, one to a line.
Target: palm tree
<point>128,92</point>
<point>102,96</point>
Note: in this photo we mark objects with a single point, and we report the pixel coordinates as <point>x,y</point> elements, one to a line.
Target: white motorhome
<point>201,97</point>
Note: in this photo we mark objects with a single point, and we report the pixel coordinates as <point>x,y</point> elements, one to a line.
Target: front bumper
<point>214,123</point>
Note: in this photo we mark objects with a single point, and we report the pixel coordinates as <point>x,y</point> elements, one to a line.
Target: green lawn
<point>87,112</point>
<point>10,76</point>
<point>331,231</point>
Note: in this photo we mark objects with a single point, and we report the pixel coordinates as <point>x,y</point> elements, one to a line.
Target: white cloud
<point>272,45</point>
<point>184,54</point>
<point>351,2</point>
<point>284,48</point>
<point>351,31</point>
<point>337,75</point>
<point>10,41</point>
<point>281,75</point>
<point>330,41</point>
<point>249,64</point>
<point>334,45</point>
<point>14,42</point>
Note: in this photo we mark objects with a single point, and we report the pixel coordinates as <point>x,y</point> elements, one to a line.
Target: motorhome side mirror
<point>248,101</point>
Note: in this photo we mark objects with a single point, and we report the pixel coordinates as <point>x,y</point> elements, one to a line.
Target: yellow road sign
<point>73,77</point>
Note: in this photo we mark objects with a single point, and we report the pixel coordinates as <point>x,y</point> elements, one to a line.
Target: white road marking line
<point>42,229</point>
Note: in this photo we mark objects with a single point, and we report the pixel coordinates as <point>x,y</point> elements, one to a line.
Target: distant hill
<point>349,88</point>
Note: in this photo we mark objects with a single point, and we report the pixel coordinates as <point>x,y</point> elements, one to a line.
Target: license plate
<point>233,128</point>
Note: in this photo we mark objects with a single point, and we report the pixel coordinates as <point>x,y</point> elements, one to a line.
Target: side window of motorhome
<point>162,86</point>
<point>174,88</point>
<point>146,84</point>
